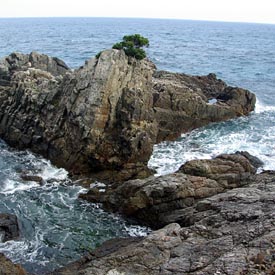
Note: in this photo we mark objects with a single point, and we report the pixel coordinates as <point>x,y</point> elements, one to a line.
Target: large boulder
<point>227,169</point>
<point>105,117</point>
<point>232,233</point>
<point>9,229</point>
<point>158,201</point>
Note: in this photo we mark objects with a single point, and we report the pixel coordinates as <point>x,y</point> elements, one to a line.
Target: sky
<point>260,11</point>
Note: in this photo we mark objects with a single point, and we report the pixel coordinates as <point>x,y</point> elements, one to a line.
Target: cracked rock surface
<point>158,201</point>
<point>104,117</point>
<point>232,233</point>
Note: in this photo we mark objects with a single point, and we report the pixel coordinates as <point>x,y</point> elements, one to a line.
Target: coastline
<point>173,98</point>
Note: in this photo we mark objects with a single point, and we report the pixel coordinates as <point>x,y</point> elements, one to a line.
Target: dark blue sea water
<point>56,227</point>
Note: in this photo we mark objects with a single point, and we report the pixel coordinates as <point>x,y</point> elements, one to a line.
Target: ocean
<point>55,226</point>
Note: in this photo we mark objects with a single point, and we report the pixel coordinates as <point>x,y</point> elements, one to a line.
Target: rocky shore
<point>158,201</point>
<point>232,232</point>
<point>211,217</point>
<point>104,118</point>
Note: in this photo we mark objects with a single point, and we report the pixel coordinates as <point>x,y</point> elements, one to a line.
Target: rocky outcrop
<point>182,102</point>
<point>9,229</point>
<point>231,233</point>
<point>105,117</point>
<point>158,201</point>
<point>9,268</point>
<point>24,62</point>
<point>94,119</point>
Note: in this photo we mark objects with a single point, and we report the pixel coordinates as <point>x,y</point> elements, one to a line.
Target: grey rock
<point>228,169</point>
<point>181,102</point>
<point>9,229</point>
<point>158,201</point>
<point>256,162</point>
<point>232,233</point>
<point>104,118</point>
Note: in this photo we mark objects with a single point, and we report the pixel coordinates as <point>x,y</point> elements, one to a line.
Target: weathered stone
<point>105,117</point>
<point>95,119</point>
<point>181,102</point>
<point>9,229</point>
<point>158,201</point>
<point>227,169</point>
<point>232,233</point>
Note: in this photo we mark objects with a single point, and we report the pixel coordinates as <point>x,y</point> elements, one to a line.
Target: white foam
<point>24,251</point>
<point>11,186</point>
<point>261,107</point>
<point>137,231</point>
<point>243,134</point>
<point>50,172</point>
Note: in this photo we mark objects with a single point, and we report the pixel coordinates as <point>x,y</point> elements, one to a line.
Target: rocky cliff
<point>105,117</point>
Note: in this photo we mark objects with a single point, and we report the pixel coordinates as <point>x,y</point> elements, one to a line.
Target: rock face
<point>231,233</point>
<point>94,119</point>
<point>8,268</point>
<point>9,229</point>
<point>105,117</point>
<point>158,201</point>
<point>181,102</point>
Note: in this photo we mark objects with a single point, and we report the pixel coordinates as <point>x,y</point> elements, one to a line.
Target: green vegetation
<point>132,45</point>
<point>98,54</point>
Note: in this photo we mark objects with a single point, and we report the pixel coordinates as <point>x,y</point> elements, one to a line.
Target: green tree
<point>132,45</point>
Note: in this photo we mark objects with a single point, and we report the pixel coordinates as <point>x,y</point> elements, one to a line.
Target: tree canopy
<point>132,45</point>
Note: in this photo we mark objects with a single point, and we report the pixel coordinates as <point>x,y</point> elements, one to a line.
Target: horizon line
<point>148,18</point>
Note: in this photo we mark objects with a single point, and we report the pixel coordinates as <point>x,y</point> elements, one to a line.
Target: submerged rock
<point>158,201</point>
<point>105,117</point>
<point>30,177</point>
<point>9,229</point>
<point>232,233</point>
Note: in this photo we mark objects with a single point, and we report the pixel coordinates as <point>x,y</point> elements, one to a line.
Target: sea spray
<point>242,134</point>
<point>56,227</point>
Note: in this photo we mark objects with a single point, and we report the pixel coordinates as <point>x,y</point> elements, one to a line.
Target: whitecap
<point>50,172</point>
<point>11,186</point>
<point>261,107</point>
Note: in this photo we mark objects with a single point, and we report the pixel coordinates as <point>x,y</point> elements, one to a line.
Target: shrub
<point>132,45</point>
<point>98,54</point>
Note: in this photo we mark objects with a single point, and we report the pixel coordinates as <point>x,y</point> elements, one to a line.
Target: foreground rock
<point>231,233</point>
<point>105,117</point>
<point>158,201</point>
<point>9,229</point>
<point>9,268</point>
